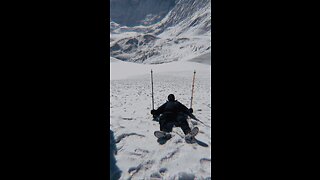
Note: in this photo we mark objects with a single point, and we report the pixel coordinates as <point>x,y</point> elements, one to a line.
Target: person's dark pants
<point>168,120</point>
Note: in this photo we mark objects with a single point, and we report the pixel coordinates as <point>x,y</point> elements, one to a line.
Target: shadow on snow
<point>203,144</point>
<point>115,172</point>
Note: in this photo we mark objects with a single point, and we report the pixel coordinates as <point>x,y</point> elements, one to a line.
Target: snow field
<point>139,155</point>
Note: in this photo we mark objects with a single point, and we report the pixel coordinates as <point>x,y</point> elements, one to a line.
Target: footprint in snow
<point>186,176</point>
<point>145,165</point>
<point>119,138</point>
<point>140,152</point>
<point>169,155</point>
<point>127,118</point>
<point>163,170</point>
<point>205,161</point>
<point>155,176</point>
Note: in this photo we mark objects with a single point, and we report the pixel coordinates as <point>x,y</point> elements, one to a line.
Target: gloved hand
<point>153,111</point>
<point>190,110</point>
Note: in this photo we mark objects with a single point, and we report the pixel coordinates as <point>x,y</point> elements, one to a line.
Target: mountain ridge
<point>184,33</point>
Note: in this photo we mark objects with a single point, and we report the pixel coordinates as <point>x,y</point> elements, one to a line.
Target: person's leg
<point>166,127</point>
<point>183,123</point>
<point>165,124</point>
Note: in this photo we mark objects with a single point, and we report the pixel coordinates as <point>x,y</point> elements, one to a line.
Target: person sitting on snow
<point>173,113</point>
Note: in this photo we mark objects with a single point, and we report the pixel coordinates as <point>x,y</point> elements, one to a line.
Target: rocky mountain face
<point>139,12</point>
<point>188,14</point>
<point>183,33</point>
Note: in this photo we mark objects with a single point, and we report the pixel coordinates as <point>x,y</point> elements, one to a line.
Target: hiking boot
<point>167,136</point>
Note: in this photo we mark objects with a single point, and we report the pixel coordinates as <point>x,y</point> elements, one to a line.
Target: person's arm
<point>184,109</point>
<point>159,111</point>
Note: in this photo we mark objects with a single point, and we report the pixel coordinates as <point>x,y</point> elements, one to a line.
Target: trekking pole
<point>152,90</point>
<point>204,123</point>
<point>193,117</point>
<point>194,74</point>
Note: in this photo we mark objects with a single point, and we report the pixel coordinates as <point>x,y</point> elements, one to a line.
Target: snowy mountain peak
<point>183,33</point>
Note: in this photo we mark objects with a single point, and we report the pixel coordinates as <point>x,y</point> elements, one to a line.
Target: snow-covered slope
<point>135,152</point>
<point>184,33</point>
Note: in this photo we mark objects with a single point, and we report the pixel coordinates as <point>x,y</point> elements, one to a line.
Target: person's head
<point>171,97</point>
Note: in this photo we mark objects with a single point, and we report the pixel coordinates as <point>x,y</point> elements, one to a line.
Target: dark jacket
<point>174,107</point>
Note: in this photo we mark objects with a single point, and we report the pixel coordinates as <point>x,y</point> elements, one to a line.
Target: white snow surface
<point>139,155</point>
